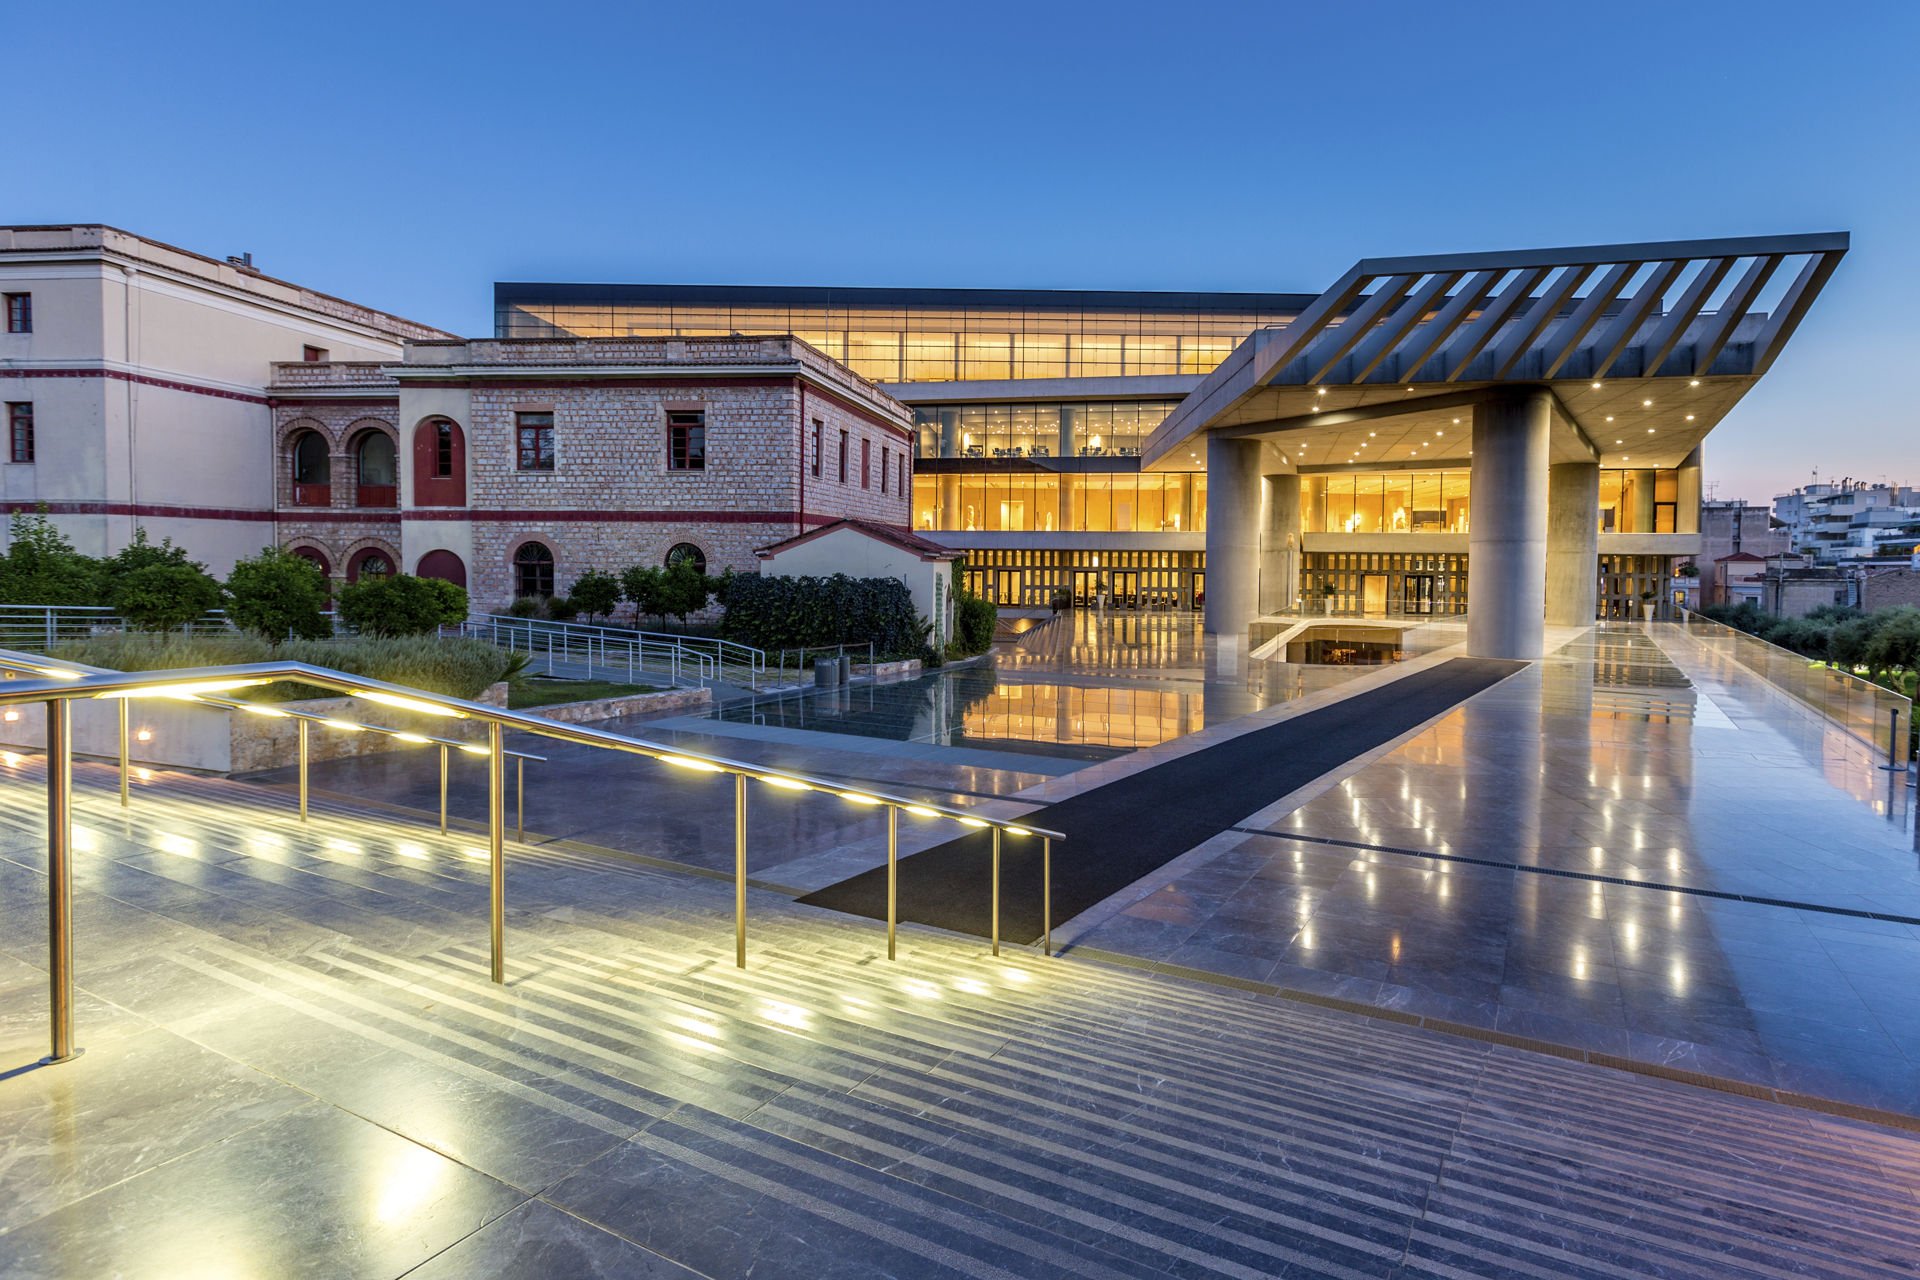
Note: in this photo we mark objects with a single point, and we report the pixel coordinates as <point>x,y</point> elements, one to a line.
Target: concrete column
<point>1573,543</point>
<point>1686,501</point>
<point>1507,542</point>
<point>1071,416</point>
<point>1280,544</point>
<point>949,517</point>
<point>1069,501</point>
<point>1233,535</point>
<point>1640,483</point>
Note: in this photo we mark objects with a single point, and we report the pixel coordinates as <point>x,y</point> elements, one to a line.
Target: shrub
<point>278,594</point>
<point>974,625</point>
<point>402,605</point>
<point>595,593</point>
<point>142,553</point>
<point>684,590</point>
<point>787,613</point>
<point>524,607</point>
<point>644,586</point>
<point>41,566</point>
<point>460,668</point>
<point>164,596</point>
<point>561,609</point>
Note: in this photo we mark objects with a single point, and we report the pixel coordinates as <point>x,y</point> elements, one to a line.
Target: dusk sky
<point>408,155</point>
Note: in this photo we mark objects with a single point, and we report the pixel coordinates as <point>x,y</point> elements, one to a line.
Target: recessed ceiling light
<point>1646,404</point>
<point>1456,422</point>
<point>1372,434</point>
<point>1689,417</point>
<point>1322,391</point>
<point>1439,433</point>
<point>1626,457</point>
<point>1619,441</point>
<point>1609,417</point>
<point>1694,383</point>
<point>1649,430</point>
<point>1596,386</point>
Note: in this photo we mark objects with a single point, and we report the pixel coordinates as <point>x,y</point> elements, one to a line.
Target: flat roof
<point>521,293</point>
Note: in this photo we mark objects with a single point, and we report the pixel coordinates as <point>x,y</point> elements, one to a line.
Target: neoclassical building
<point>511,466</point>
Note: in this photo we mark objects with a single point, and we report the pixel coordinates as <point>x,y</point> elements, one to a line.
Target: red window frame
<point>533,439</point>
<point>687,440</point>
<point>819,446</point>
<point>886,465</point>
<point>843,457</point>
<point>866,464</point>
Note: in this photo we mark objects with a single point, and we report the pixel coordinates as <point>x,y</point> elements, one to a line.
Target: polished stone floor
<point>1630,849</point>
<point>294,1066</point>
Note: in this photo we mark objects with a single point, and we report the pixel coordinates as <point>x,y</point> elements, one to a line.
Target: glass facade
<point>1031,500</point>
<point>1379,584</point>
<point>1093,429</point>
<point>1084,579</point>
<point>1384,502</point>
<point>928,343</point>
<point>1643,502</point>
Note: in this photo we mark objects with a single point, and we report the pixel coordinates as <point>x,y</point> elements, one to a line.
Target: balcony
<point>377,495</point>
<point>312,495</point>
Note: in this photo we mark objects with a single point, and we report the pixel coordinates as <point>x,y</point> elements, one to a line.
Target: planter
<point>1646,612</point>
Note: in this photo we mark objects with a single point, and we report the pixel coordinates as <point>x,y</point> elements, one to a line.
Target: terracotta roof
<point>905,539</point>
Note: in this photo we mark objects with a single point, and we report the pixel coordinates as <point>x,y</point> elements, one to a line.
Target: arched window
<point>312,471</point>
<point>443,565</point>
<point>374,462</point>
<point>685,553</point>
<point>318,557</point>
<point>369,563</point>
<point>439,464</point>
<point>533,570</point>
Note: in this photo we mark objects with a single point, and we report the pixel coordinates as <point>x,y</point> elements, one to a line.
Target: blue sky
<point>407,155</point>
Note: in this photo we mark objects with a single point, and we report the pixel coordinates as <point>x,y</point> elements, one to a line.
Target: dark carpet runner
<point>1120,832</point>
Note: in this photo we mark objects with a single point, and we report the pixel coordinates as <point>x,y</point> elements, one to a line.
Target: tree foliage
<point>164,596</point>
<point>595,593</point>
<point>400,604</point>
<point>278,594</point>
<point>42,567</point>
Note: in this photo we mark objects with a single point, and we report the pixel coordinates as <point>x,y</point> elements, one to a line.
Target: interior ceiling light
<point>1649,430</point>
<point>1694,383</point>
<point>1596,386</point>
<point>1609,417</point>
<point>1689,417</point>
<point>1646,404</point>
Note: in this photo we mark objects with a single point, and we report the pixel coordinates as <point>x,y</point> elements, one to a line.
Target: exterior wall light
<point>144,735</point>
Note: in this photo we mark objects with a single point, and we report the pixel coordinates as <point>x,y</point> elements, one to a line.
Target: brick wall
<point>1892,587</point>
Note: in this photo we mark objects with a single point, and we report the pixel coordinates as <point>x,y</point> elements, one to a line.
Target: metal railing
<point>615,653</point>
<point>1859,707</point>
<point>40,627</point>
<point>60,685</point>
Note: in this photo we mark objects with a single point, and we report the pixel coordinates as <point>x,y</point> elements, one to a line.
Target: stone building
<point>512,466</point>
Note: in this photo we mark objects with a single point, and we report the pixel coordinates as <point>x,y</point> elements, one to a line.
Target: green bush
<point>525,607</point>
<point>790,613</point>
<point>459,668</point>
<point>974,625</point>
<point>164,596</point>
<point>645,587</point>
<point>278,594</point>
<point>402,605</point>
<point>41,566</point>
<point>561,609</point>
<point>595,593</point>
<point>685,590</point>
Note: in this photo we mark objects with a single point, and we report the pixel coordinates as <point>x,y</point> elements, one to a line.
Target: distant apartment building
<point>1736,537</point>
<point>134,374</point>
<point>1850,523</point>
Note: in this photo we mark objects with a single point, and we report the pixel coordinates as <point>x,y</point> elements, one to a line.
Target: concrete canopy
<point>1646,347</point>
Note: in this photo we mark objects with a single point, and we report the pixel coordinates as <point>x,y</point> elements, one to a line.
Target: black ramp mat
<point>1120,832</point>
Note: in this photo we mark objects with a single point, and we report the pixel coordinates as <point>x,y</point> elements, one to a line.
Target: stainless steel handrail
<point>63,684</point>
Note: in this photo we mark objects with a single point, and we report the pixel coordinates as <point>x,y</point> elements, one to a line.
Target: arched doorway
<point>444,565</point>
<point>439,464</point>
<point>312,468</point>
<point>376,471</point>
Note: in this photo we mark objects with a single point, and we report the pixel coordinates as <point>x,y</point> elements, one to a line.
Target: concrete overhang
<point>1646,347</point>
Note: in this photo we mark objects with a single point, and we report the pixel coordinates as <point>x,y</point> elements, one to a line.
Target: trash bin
<point>846,668</point>
<point>826,673</point>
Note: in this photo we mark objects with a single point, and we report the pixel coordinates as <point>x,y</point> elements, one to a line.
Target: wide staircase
<point>826,1112</point>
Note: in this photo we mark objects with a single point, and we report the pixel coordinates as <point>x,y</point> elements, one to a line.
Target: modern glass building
<point>1030,407</point>
<point>1089,446</point>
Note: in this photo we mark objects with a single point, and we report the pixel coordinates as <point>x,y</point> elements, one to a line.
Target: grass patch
<point>547,693</point>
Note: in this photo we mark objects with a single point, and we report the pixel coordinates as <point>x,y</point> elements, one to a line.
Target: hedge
<point>791,613</point>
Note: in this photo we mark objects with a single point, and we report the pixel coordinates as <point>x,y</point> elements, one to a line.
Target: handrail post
<point>740,870</point>
<point>520,800</point>
<point>1893,742</point>
<point>304,726</point>
<point>125,754</point>
<point>443,788</point>
<point>60,876</point>
<point>893,875</point>
<point>996,891</point>
<point>1046,894</point>
<point>497,848</point>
